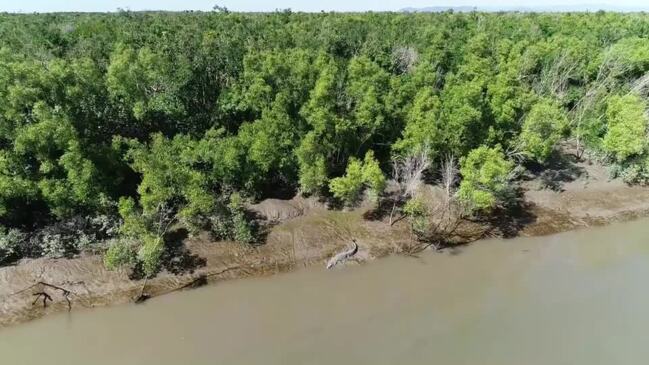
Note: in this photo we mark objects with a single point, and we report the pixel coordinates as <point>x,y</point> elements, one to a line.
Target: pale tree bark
<point>407,172</point>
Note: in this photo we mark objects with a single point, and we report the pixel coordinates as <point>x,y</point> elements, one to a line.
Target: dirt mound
<point>277,210</point>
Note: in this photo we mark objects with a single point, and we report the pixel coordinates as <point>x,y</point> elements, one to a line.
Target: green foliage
<point>372,173</point>
<point>145,81</point>
<point>241,229</point>
<point>627,127</point>
<point>320,112</point>
<point>169,178</point>
<point>150,254</point>
<point>120,253</point>
<point>415,207</point>
<point>543,128</point>
<point>485,178</point>
<point>348,187</point>
<point>12,242</point>
<point>313,175</point>
<point>358,175</point>
<point>161,118</point>
<point>630,56</point>
<point>423,126</point>
<point>147,230</point>
<point>49,153</point>
<point>133,224</point>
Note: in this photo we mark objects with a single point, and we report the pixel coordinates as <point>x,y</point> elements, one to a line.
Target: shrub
<point>485,178</point>
<point>348,188</point>
<point>240,230</point>
<point>359,175</point>
<point>150,254</point>
<point>542,130</point>
<point>415,207</point>
<point>120,253</point>
<point>11,245</point>
<point>627,127</point>
<point>417,211</point>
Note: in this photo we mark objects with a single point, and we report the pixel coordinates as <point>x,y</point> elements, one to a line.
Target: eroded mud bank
<point>309,234</point>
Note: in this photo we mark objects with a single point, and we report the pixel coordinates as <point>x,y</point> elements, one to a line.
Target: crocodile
<point>342,256</point>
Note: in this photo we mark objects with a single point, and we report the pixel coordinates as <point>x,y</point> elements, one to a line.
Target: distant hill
<point>529,9</point>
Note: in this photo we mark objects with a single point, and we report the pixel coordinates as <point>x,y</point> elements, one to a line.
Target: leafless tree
<point>607,78</point>
<point>449,172</point>
<point>442,217</point>
<point>554,79</point>
<point>437,228</point>
<point>407,172</point>
<point>405,58</point>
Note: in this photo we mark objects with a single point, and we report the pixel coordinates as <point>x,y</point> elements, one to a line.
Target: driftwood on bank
<point>44,296</point>
<point>342,256</point>
<point>142,297</point>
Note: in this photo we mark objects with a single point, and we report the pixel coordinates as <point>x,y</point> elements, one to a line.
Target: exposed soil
<point>571,195</point>
<point>585,196</point>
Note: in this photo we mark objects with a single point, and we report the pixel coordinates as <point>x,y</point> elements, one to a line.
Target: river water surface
<point>576,298</point>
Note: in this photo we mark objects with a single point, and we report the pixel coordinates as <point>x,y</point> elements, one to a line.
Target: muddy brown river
<point>576,298</point>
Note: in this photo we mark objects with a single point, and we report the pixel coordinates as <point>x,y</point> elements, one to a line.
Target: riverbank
<point>581,195</point>
<point>574,298</point>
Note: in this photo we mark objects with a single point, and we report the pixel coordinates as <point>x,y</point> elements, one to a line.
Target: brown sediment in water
<point>309,234</point>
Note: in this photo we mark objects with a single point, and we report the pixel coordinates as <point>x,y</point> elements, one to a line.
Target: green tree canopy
<point>627,126</point>
<point>359,175</point>
<point>485,178</point>
<point>543,128</point>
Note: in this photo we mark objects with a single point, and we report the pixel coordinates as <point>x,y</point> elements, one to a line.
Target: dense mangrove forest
<point>114,128</point>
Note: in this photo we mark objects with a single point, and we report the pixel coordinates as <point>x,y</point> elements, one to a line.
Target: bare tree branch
<point>407,172</point>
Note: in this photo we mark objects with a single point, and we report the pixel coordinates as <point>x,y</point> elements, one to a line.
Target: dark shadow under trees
<point>177,259</point>
<point>561,169</point>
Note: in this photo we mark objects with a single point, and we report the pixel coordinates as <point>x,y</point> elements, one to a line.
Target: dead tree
<point>443,217</point>
<point>442,223</point>
<point>607,79</point>
<point>449,171</point>
<point>407,172</point>
<point>405,59</point>
<point>555,77</point>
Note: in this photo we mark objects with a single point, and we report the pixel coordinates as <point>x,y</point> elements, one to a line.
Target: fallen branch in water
<point>342,256</point>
